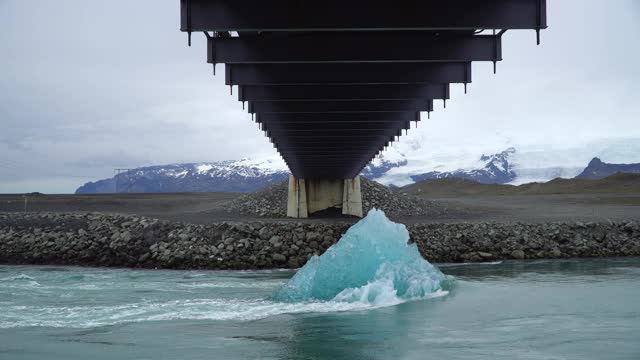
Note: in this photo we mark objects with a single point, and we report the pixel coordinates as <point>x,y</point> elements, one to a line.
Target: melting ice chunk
<point>372,263</point>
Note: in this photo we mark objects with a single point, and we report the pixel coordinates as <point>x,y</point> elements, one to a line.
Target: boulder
<point>279,257</point>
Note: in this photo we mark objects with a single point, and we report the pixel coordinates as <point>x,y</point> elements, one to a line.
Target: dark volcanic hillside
<point>598,169</point>
<point>455,187</point>
<point>617,183</point>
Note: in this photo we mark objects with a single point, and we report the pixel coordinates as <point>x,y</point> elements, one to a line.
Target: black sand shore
<point>204,208</point>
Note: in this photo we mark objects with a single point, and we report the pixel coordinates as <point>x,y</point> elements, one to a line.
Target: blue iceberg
<point>372,263</point>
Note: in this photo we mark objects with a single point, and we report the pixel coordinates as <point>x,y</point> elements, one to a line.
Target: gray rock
<point>275,239</point>
<point>471,257</point>
<point>279,257</point>
<point>144,257</point>
<point>265,233</point>
<point>293,263</point>
<point>125,236</point>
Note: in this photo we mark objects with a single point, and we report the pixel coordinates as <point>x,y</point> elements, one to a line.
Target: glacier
<point>372,263</point>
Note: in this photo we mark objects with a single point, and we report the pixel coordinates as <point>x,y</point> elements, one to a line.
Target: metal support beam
<point>330,132</point>
<point>340,106</point>
<point>342,117</point>
<point>347,73</point>
<point>397,46</point>
<point>357,143</point>
<point>328,152</point>
<point>297,142</point>
<point>331,127</point>
<point>355,131</point>
<point>345,134</point>
<point>334,15</point>
<point>342,92</point>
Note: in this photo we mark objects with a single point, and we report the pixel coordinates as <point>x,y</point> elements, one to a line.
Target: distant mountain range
<point>616,183</point>
<point>496,170</point>
<point>598,169</point>
<point>249,175</point>
<point>223,176</point>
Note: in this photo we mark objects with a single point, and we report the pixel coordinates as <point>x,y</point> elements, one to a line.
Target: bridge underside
<point>333,83</point>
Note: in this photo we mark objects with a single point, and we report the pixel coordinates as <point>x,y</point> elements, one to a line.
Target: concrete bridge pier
<point>309,196</point>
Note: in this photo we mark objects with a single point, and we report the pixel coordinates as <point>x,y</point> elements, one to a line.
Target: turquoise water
<point>571,309</point>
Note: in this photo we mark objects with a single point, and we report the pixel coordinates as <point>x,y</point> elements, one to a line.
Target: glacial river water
<point>569,309</point>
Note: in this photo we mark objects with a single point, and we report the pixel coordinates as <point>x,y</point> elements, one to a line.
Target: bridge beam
<point>333,127</point>
<point>340,106</point>
<point>395,46</point>
<point>342,92</point>
<point>343,117</point>
<point>348,73</point>
<point>339,15</point>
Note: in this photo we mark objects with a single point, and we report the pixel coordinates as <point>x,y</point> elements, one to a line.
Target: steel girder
<point>274,93</point>
<point>333,83</point>
<point>310,147</point>
<point>339,15</point>
<point>299,140</point>
<point>319,127</point>
<point>348,73</point>
<point>340,106</point>
<point>339,117</point>
<point>307,140</point>
<point>364,132</point>
<point>395,46</point>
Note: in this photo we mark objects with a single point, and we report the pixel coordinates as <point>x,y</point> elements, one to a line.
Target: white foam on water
<point>18,277</point>
<point>194,309</point>
<point>230,285</point>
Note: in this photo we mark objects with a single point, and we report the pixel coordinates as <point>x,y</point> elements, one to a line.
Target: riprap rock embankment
<point>133,241</point>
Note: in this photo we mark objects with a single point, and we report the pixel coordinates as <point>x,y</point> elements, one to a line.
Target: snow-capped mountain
<point>541,163</point>
<point>249,175</point>
<point>222,176</point>
<point>398,166</point>
<point>496,170</point>
<point>421,158</point>
<point>400,171</point>
<point>380,166</point>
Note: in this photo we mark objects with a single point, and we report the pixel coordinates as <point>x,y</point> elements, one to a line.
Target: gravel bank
<point>272,201</point>
<point>133,241</point>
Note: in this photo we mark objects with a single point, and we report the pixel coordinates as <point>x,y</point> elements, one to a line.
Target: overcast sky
<point>89,86</point>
